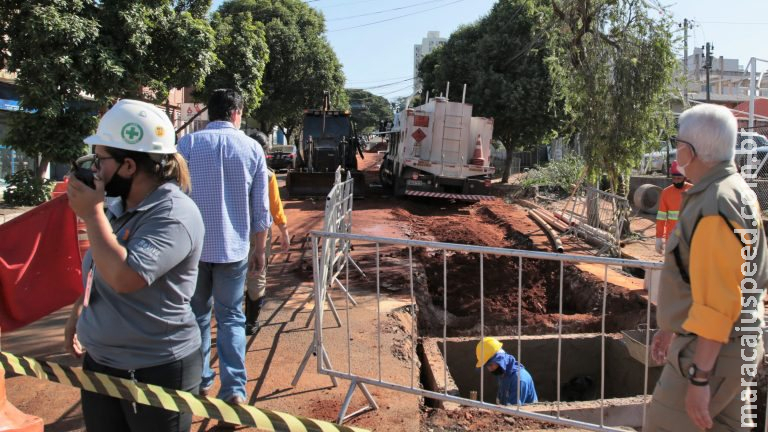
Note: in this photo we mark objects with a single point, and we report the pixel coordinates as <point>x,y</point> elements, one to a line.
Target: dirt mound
<point>471,419</point>
<point>500,225</point>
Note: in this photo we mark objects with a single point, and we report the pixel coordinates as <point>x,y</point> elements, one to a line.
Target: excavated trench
<point>538,285</point>
<point>514,300</point>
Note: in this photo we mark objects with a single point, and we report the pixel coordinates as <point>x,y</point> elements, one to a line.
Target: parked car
<point>759,153</point>
<point>657,161</point>
<point>281,156</point>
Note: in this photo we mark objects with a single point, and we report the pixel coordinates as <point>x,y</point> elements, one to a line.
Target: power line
<point>349,3</point>
<point>395,91</point>
<point>378,80</point>
<point>384,11</point>
<point>733,23</point>
<point>394,18</point>
<point>388,85</point>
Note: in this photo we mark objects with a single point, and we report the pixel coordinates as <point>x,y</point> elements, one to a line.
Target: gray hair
<point>712,130</point>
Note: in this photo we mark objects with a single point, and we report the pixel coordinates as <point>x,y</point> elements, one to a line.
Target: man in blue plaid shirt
<point>229,185</point>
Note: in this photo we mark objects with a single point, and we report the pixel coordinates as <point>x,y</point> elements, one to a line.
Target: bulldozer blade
<point>302,184</point>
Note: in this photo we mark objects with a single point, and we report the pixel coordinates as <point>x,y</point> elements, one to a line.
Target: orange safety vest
<point>669,209</point>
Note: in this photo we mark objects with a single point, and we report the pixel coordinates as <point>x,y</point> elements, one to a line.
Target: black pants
<point>104,413</point>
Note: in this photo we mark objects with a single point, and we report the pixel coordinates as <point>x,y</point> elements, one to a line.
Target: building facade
<point>427,45</point>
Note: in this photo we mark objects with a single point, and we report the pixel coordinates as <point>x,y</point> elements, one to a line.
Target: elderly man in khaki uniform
<point>710,308</point>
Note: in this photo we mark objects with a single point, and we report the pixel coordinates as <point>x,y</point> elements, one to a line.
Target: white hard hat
<point>135,126</point>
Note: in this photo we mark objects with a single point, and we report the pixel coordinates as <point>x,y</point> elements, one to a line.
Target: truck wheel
<point>385,183</point>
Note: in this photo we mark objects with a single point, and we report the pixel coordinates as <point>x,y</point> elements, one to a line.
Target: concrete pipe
<point>646,198</point>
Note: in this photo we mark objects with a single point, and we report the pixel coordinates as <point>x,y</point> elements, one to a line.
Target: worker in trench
<point>669,207</point>
<point>508,371</point>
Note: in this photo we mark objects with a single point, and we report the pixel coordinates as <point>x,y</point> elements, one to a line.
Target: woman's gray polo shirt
<point>154,325</point>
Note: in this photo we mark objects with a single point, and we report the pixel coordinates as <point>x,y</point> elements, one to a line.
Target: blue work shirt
<point>229,185</point>
<point>513,369</point>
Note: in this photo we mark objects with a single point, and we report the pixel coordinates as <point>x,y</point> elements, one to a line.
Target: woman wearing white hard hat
<point>134,319</point>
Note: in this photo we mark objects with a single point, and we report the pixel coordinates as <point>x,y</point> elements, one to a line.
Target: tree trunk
<point>507,162</point>
<point>44,161</point>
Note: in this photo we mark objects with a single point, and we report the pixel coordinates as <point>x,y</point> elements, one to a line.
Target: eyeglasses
<point>676,140</point>
<point>97,160</point>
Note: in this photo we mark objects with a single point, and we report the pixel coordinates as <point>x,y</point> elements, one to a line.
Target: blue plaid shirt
<point>229,186</point>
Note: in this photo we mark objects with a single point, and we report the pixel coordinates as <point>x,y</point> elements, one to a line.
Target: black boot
<point>252,309</point>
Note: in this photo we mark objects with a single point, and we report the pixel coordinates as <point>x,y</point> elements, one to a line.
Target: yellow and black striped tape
<point>173,400</point>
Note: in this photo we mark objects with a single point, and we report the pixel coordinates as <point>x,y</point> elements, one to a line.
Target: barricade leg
<point>346,292</point>
<point>333,308</point>
<point>372,405</point>
<point>305,360</point>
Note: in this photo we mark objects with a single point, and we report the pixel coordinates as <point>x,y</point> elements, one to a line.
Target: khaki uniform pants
<point>667,410</point>
<point>256,286</point>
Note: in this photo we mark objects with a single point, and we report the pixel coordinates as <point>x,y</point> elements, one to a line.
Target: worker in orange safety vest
<point>669,206</point>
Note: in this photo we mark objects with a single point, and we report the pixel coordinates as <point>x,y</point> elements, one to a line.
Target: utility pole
<point>708,64</point>
<point>686,25</point>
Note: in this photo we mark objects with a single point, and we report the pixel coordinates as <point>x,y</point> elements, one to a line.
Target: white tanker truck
<point>439,150</point>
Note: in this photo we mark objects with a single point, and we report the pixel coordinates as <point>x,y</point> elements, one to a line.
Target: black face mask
<point>679,185</point>
<point>498,371</point>
<point>118,185</point>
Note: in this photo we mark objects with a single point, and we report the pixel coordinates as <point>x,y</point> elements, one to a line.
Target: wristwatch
<point>697,376</point>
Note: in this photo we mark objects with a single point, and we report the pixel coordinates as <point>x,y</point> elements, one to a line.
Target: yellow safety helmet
<point>135,126</point>
<point>486,349</point>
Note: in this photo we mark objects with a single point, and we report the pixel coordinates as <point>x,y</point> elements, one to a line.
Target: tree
<point>63,50</point>
<point>613,52</point>
<point>368,109</point>
<point>301,62</point>
<point>502,58</point>
<point>46,43</point>
<point>242,54</point>
<point>150,44</point>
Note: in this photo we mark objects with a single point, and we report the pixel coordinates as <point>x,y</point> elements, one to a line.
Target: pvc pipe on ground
<point>551,220</point>
<point>557,245</point>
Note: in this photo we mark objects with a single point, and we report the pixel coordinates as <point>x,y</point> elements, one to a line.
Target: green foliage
<point>613,53</point>
<point>150,44</point>
<point>24,188</point>
<point>58,137</point>
<point>564,174</point>
<point>368,109</point>
<point>301,62</point>
<point>502,59</point>
<point>63,49</point>
<point>243,54</point>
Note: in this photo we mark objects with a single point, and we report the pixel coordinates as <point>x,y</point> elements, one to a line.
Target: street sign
<point>188,110</point>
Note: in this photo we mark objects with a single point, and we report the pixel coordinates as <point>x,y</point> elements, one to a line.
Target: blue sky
<point>377,54</point>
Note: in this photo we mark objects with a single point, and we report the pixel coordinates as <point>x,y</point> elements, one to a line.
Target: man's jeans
<point>221,286</point>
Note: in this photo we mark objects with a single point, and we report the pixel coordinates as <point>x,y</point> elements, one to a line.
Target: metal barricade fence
<point>333,254</point>
<point>599,216</point>
<point>375,244</point>
<point>752,159</point>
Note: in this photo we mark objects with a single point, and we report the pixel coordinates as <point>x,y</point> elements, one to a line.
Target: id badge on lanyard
<point>88,286</point>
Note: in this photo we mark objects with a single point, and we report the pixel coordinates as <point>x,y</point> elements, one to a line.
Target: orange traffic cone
<point>13,420</point>
<point>477,156</point>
